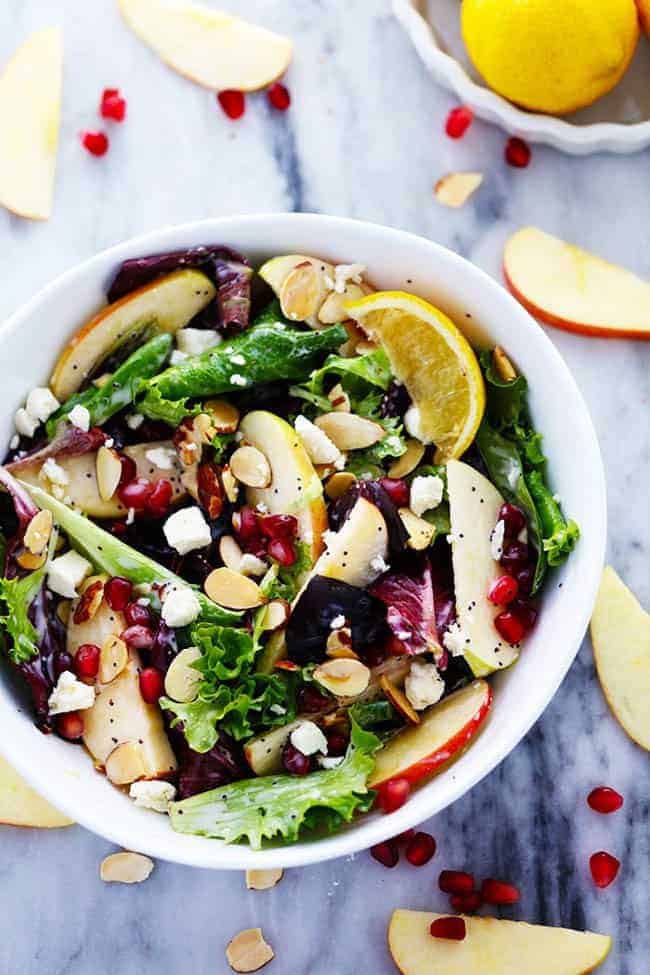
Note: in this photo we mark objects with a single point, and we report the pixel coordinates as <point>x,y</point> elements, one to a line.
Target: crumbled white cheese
<point>41,403</point>
<point>309,739</point>
<point>79,417</point>
<point>187,530</point>
<point>53,472</point>
<point>277,709</point>
<point>70,694</point>
<point>162,457</point>
<point>557,499</point>
<point>319,447</point>
<point>326,762</point>
<point>423,685</point>
<point>24,423</point>
<point>238,360</point>
<point>177,357</point>
<point>180,607</point>
<point>347,272</point>
<point>196,341</point>
<point>413,424</point>
<point>379,564</point>
<point>496,540</point>
<point>250,565</point>
<point>237,380</point>
<point>338,622</point>
<point>134,420</point>
<point>154,795</point>
<point>262,508</point>
<point>13,443</point>
<point>130,516</point>
<point>109,443</point>
<point>426,493</point>
<point>66,572</point>
<point>456,640</point>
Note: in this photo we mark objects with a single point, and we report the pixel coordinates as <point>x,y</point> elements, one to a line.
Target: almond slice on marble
<point>338,484</point>
<point>349,431</point>
<point>263,879</point>
<point>409,460</point>
<point>125,763</point>
<point>248,951</point>
<point>344,677</point>
<point>250,467</point>
<point>455,189</point>
<point>399,700</point>
<point>113,658</point>
<point>233,590</point>
<point>225,416</point>
<point>503,365</point>
<point>125,868</point>
<point>420,531</point>
<point>109,471</point>
<point>38,532</point>
<point>182,679</point>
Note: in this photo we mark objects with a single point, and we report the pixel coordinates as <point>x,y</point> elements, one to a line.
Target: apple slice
<point>30,109</point>
<point>474,505</point>
<point>644,14</point>
<point>444,730</point>
<point>492,947</point>
<point>573,289</point>
<point>21,806</point>
<point>165,305</point>
<point>211,48</point>
<point>620,633</point>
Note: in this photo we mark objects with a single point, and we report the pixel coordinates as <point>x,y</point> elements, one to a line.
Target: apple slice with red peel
<point>492,947</point>
<point>644,14</point>
<point>573,289</point>
<point>444,730</point>
<point>21,806</point>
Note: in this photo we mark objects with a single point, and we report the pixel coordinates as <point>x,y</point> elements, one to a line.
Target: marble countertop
<point>363,138</point>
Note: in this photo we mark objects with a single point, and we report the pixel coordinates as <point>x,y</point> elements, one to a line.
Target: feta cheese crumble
<point>347,272</point>
<point>338,622</point>
<point>426,493</point>
<point>238,360</point>
<point>134,420</point>
<point>309,739</point>
<point>70,694</point>
<point>237,380</point>
<point>413,424</point>
<point>180,607</point>
<point>162,457</point>
<point>423,685</point>
<point>154,795</point>
<point>25,424</point>
<point>379,564</point>
<point>177,357</point>
<point>67,572</point>
<point>328,762</point>
<point>496,540</point>
<point>250,565</point>
<point>320,449</point>
<point>41,403</point>
<point>187,530</point>
<point>54,473</point>
<point>456,640</point>
<point>196,341</point>
<point>79,417</point>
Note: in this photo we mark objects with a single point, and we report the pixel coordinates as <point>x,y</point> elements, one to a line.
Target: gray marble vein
<point>364,138</point>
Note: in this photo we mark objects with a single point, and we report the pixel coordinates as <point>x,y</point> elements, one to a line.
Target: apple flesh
<point>21,806</point>
<point>30,109</point>
<point>620,633</point>
<point>573,289</point>
<point>444,730</point>
<point>492,947</point>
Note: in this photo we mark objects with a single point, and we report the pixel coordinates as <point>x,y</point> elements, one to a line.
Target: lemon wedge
<point>435,362</point>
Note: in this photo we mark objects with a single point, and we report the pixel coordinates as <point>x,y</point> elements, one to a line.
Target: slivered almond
<point>339,399</point>
<point>344,678</point>
<point>399,700</point>
<point>90,599</point>
<point>364,347</point>
<point>455,189</point>
<point>182,680</point>
<point>301,293</point>
<point>263,879</point>
<point>338,484</point>
<point>38,532</point>
<point>349,431</point>
<point>230,552</point>
<point>409,460</point>
<point>333,308</point>
<point>125,763</point>
<point>109,471</point>
<point>113,658</point>
<point>190,480</point>
<point>248,951</point>
<point>250,466</point>
<point>230,484</point>
<point>420,531</point>
<point>224,416</point>
<point>276,615</point>
<point>233,590</point>
<point>339,645</point>
<point>31,562</point>
<point>125,868</point>
<point>503,365</point>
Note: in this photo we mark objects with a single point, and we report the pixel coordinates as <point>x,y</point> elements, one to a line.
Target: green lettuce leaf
<point>287,580</point>
<point>170,411</point>
<point>16,597</point>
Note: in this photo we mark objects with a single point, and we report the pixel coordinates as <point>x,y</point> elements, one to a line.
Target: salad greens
<point>16,598</point>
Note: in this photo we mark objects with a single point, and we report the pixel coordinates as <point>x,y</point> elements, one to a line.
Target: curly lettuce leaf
<point>278,807</point>
<point>560,536</point>
<point>16,597</point>
<point>285,582</point>
<point>170,411</point>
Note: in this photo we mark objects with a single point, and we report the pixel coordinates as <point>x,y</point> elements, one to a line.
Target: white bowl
<point>29,343</point>
<point>619,122</point>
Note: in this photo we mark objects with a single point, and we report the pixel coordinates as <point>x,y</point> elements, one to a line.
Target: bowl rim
<point>368,831</point>
<point>616,137</point>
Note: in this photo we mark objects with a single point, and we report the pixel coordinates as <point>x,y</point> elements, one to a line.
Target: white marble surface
<point>364,138</point>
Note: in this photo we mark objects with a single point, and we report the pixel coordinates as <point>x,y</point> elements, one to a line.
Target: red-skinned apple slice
<point>572,289</point>
<point>644,14</point>
<point>444,730</point>
<point>21,806</point>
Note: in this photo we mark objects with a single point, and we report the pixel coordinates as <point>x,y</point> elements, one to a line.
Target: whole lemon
<point>552,56</point>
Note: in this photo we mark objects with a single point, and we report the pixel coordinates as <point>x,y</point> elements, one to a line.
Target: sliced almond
<point>31,562</point>
<point>503,365</point>
<point>125,868</point>
<point>365,347</point>
<point>338,484</point>
<point>38,532</point>
<point>230,552</point>
<point>339,399</point>
<point>263,879</point>
<point>210,489</point>
<point>248,951</point>
<point>344,678</point>
<point>125,763</point>
<point>250,466</point>
<point>302,292</point>
<point>109,472</point>
<point>230,484</point>
<point>420,531</point>
<point>92,594</point>
<point>399,700</point>
<point>349,431</point>
<point>191,436</point>
<point>233,590</point>
<point>409,460</point>
<point>276,615</point>
<point>63,611</point>
<point>225,416</point>
<point>190,480</point>
<point>113,658</point>
<point>333,308</point>
<point>182,679</point>
<point>339,645</point>
<point>455,189</point>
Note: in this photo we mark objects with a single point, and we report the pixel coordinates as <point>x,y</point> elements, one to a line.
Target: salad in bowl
<point>264,538</point>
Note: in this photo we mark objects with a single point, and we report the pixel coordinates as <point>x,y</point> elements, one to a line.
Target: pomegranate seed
<point>503,590</point>
<point>70,725</point>
<point>112,105</point>
<point>137,615</point>
<point>510,628</point>
<point>385,853</point>
<point>605,800</point>
<point>294,761</point>
<point>310,700</point>
<point>118,528</point>
<point>604,868</point>
<point>499,892</point>
<point>515,557</point>
<point>525,578</point>
<point>513,519</point>
<point>151,684</point>
<point>337,743</point>
<point>139,637</point>
<point>86,660</point>
<point>458,122</point>
<point>248,532</point>
<point>456,882</point>
<point>158,501</point>
<point>466,903</point>
<point>393,794</point>
<point>282,551</point>
<point>135,494</point>
<point>129,470</point>
<point>525,613</point>
<point>118,592</point>
<point>450,928</point>
<point>421,848</point>
<point>232,102</point>
<point>397,490</point>
<point>394,647</point>
<point>279,526</point>
<point>279,97</point>
<point>404,837</point>
<point>95,142</point>
<point>517,153</point>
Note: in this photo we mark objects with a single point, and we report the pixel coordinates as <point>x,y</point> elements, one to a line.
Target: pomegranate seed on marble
<point>278,526</point>
<point>404,837</point>
<point>158,501</point>
<point>605,800</point>
<point>513,518</point>
<point>385,853</point>
<point>139,637</point>
<point>279,97</point>
<point>95,142</point>
<point>510,628</point>
<point>137,615</point>
<point>393,794</point>
<point>118,592</point>
<point>466,903</point>
<point>135,494</point>
<point>86,660</point>
<point>517,153</point>
<point>604,868</point>
<point>397,490</point>
<point>129,470</point>
<point>499,892</point>
<point>420,849</point>
<point>151,684</point>
<point>70,725</point>
<point>294,761</point>
<point>232,102</point>
<point>503,590</point>
<point>112,105</point>
<point>456,882</point>
<point>449,928</point>
<point>282,550</point>
<point>458,121</point>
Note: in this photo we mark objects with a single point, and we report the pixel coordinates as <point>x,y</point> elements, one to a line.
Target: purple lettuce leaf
<point>372,491</point>
<point>409,598</point>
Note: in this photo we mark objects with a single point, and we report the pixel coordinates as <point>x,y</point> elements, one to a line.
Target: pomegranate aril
<point>137,615</point>
<point>309,700</point>
<point>510,628</point>
<point>503,590</point>
<point>118,592</point>
<point>151,684</point>
<point>385,853</point>
<point>129,470</point>
<point>458,121</point>
<point>279,97</point>
<point>294,762</point>
<point>138,637</point>
<point>525,613</point>
<point>513,519</point>
<point>70,725</point>
<point>499,892</point>
<point>449,928</point>
<point>282,550</point>
<point>515,557</point>
<point>112,105</point>
<point>232,102</point>
<point>404,837</point>
<point>397,490</point>
<point>158,501</point>
<point>118,528</point>
<point>604,868</point>
<point>456,882</point>
<point>466,903</point>
<point>337,743</point>
<point>135,494</point>
<point>95,142</point>
<point>393,794</point>
<point>420,849</point>
<point>517,153</point>
<point>86,660</point>
<point>278,526</point>
<point>525,579</point>
<point>605,800</point>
